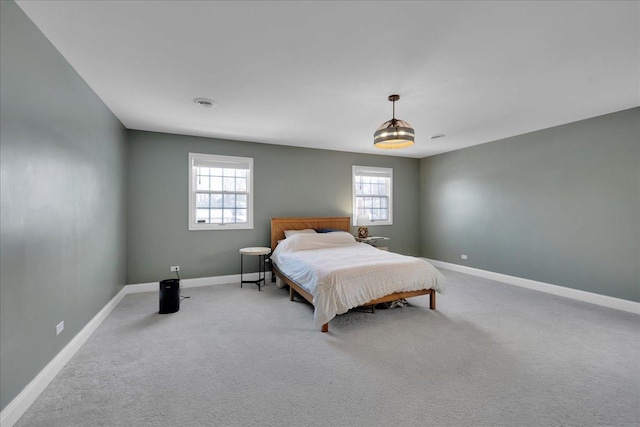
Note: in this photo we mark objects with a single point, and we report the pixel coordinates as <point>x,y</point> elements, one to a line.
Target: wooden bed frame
<point>278,225</point>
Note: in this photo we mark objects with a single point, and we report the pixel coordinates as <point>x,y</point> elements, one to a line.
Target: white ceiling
<point>317,74</point>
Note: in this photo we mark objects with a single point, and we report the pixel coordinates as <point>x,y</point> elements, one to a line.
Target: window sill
<point>205,227</point>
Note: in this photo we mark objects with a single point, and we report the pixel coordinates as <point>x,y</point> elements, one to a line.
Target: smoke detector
<point>205,102</point>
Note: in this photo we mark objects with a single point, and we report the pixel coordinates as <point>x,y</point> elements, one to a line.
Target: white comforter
<point>341,274</point>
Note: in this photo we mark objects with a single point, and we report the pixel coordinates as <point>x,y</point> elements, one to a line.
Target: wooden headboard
<point>278,225</point>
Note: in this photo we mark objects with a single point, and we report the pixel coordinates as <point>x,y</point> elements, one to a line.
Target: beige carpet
<point>491,355</point>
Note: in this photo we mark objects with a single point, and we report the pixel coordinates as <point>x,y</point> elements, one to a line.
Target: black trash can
<point>169,296</point>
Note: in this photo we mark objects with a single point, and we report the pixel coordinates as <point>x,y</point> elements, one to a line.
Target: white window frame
<point>195,158</point>
<point>377,172</point>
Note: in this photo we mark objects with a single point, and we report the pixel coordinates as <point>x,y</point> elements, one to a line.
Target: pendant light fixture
<point>394,133</point>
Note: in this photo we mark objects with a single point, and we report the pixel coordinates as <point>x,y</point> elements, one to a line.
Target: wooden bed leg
<point>432,300</point>
<point>325,327</point>
<point>291,293</point>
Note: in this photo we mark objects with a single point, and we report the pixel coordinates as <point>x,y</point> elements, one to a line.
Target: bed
<point>335,273</point>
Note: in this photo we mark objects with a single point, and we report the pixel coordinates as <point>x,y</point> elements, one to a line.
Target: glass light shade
<point>394,133</point>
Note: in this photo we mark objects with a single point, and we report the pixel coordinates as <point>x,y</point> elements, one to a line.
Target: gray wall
<point>62,222</point>
<point>288,181</point>
<point>560,205</point>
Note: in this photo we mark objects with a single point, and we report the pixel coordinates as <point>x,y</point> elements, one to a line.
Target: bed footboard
<point>294,289</point>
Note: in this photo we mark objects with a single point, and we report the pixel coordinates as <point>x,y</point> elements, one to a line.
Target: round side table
<point>261,252</point>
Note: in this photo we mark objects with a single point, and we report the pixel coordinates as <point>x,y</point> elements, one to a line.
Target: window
<point>372,194</point>
<point>220,192</point>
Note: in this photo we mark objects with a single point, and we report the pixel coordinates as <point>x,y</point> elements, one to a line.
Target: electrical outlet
<point>175,268</point>
<point>463,256</point>
<point>59,327</point>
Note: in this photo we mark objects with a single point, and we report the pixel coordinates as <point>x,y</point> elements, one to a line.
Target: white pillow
<point>288,233</point>
<point>308,241</point>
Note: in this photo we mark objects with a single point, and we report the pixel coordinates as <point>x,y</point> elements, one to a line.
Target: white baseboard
<point>194,283</point>
<point>590,297</point>
<point>19,405</point>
